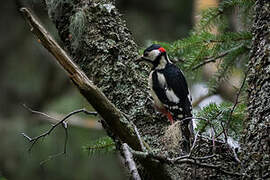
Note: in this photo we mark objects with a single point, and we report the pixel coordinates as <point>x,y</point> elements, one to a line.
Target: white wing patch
<point>180,116</point>
<point>172,96</point>
<point>169,92</point>
<point>162,80</point>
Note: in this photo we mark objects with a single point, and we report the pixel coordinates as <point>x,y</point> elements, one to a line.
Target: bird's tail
<point>187,135</point>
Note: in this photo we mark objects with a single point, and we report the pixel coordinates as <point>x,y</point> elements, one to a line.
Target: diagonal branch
<point>130,162</point>
<point>89,123</point>
<point>214,59</point>
<point>118,123</point>
<point>237,99</point>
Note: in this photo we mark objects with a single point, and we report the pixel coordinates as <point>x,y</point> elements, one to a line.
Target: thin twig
<point>51,157</point>
<point>65,126</point>
<point>213,139</point>
<point>194,143</point>
<point>205,157</point>
<point>235,155</point>
<point>237,99</point>
<point>39,113</point>
<point>35,139</point>
<point>89,123</point>
<point>224,131</point>
<point>185,159</point>
<point>221,41</point>
<point>109,112</point>
<point>130,162</point>
<point>139,137</point>
<point>213,59</point>
<point>196,102</point>
<point>209,139</point>
<point>211,166</point>
<point>191,118</point>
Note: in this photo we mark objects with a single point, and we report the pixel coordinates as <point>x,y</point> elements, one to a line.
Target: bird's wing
<point>159,88</point>
<point>177,87</point>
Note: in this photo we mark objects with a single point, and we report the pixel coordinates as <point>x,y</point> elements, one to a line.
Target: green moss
<point>77,27</point>
<point>54,5</point>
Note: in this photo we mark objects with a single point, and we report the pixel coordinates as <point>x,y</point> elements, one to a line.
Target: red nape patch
<point>162,49</point>
<point>169,115</point>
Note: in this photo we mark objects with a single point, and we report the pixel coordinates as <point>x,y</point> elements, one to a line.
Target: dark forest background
<point>30,76</point>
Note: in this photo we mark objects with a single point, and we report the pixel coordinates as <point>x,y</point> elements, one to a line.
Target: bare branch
<point>65,126</point>
<point>186,159</point>
<point>51,157</point>
<point>209,139</point>
<point>213,139</point>
<point>194,143</point>
<point>236,100</point>
<point>39,113</point>
<point>130,162</point>
<point>89,123</point>
<point>235,156</point>
<point>140,139</point>
<point>196,102</point>
<point>213,59</point>
<point>35,139</point>
<point>118,124</point>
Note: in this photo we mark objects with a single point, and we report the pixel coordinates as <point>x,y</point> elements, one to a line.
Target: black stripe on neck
<point>156,62</point>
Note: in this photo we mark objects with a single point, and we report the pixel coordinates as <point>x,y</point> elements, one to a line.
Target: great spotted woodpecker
<point>168,87</point>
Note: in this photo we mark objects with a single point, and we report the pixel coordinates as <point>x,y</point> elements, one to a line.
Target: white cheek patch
<point>153,54</point>
<point>172,96</point>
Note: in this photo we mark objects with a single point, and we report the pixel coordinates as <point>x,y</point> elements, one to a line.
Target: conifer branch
<point>214,59</point>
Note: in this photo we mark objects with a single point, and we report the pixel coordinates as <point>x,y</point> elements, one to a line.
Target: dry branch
<point>63,122</point>
<point>89,123</point>
<point>186,159</point>
<point>118,123</point>
<point>130,162</point>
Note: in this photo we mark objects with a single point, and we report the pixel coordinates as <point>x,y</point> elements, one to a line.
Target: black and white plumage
<point>169,90</point>
<point>167,85</point>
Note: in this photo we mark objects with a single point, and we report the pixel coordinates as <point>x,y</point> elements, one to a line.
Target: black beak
<point>140,59</point>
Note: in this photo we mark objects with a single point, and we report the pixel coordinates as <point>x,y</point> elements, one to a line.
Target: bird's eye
<point>145,54</point>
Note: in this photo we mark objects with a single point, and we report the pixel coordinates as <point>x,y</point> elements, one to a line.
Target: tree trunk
<point>100,43</point>
<point>106,51</point>
<point>256,141</point>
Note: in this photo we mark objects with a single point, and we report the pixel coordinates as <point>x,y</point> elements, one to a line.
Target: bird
<point>168,88</point>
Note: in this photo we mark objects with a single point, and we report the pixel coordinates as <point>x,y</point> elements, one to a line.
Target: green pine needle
<point>219,115</point>
<point>101,146</point>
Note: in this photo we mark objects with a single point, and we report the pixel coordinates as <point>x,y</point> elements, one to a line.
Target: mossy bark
<point>105,50</point>
<point>256,141</point>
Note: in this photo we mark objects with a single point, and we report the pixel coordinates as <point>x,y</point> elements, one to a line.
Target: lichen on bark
<point>106,52</point>
<point>256,142</point>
